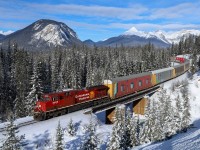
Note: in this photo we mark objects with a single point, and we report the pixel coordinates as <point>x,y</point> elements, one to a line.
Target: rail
<point>20,125</point>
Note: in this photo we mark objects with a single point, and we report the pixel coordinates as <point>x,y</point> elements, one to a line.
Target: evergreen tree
<point>186,108</point>
<point>59,138</point>
<point>168,116</point>
<point>117,141</point>
<point>133,132</point>
<point>178,114</point>
<point>92,141</point>
<point>36,89</point>
<point>71,128</point>
<point>128,127</point>
<point>140,132</point>
<point>13,141</point>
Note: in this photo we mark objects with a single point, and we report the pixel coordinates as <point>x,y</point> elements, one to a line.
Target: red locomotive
<point>180,59</point>
<point>55,104</point>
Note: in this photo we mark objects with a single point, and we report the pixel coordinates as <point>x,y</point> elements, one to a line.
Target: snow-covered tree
<point>92,141</point>
<point>128,127</point>
<point>178,113</point>
<point>148,129</point>
<point>71,128</point>
<point>12,140</point>
<point>36,89</point>
<point>186,108</point>
<point>133,132</point>
<point>59,138</point>
<point>117,139</point>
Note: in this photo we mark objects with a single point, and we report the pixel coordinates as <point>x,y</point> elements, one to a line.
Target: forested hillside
<point>25,75</point>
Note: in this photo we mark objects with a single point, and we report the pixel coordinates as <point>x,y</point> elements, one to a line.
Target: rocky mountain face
<point>131,40</point>
<point>2,36</point>
<point>43,35</point>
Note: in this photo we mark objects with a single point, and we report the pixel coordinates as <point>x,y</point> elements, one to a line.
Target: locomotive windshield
<point>45,98</point>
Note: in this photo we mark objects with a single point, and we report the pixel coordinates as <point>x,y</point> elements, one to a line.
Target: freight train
<point>60,103</point>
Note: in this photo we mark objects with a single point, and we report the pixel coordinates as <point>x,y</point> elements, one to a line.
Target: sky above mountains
<point>98,19</point>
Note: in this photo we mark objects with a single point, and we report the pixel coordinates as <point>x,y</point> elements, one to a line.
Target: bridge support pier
<point>139,106</point>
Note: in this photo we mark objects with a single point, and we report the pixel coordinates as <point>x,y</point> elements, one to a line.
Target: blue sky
<point>98,19</point>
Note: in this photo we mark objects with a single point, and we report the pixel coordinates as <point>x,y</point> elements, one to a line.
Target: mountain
<point>135,38</point>
<point>2,36</point>
<point>175,37</point>
<point>159,38</point>
<point>167,37</point>
<point>89,43</point>
<point>43,34</point>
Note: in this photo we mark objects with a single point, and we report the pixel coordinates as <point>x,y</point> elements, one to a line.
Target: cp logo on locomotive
<point>92,94</point>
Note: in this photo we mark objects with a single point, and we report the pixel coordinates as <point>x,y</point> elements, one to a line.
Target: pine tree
<point>140,132</point>
<point>59,138</point>
<point>133,132</point>
<point>117,141</point>
<point>128,127</point>
<point>186,108</point>
<point>13,141</point>
<point>158,131</point>
<point>149,127</point>
<point>71,128</point>
<point>168,116</point>
<point>34,92</point>
<point>178,114</point>
<point>92,141</point>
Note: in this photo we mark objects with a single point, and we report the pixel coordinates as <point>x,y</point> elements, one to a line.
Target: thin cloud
<point>140,26</point>
<point>177,12</point>
<point>154,27</point>
<point>134,12</point>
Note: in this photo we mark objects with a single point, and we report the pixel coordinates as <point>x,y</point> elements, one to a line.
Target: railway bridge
<point>136,102</point>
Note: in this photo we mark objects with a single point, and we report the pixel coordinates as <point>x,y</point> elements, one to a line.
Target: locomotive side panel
<point>59,100</point>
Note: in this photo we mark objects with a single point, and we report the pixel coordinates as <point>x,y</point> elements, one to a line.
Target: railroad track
<point>20,125</point>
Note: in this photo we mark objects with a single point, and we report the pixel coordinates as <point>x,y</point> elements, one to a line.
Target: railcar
<point>121,86</point>
<point>54,104</point>
<point>179,69</point>
<point>162,75</point>
<point>186,65</point>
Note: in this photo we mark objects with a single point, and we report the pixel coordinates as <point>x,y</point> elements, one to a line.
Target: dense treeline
<point>25,75</point>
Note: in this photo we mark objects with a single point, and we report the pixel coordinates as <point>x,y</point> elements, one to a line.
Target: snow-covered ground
<point>43,133</point>
<point>191,139</point>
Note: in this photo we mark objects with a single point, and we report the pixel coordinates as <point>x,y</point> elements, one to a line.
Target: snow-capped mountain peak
<point>157,34</point>
<point>44,34</point>
<point>134,31</point>
<point>175,37</point>
<point>167,37</point>
<point>55,33</point>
